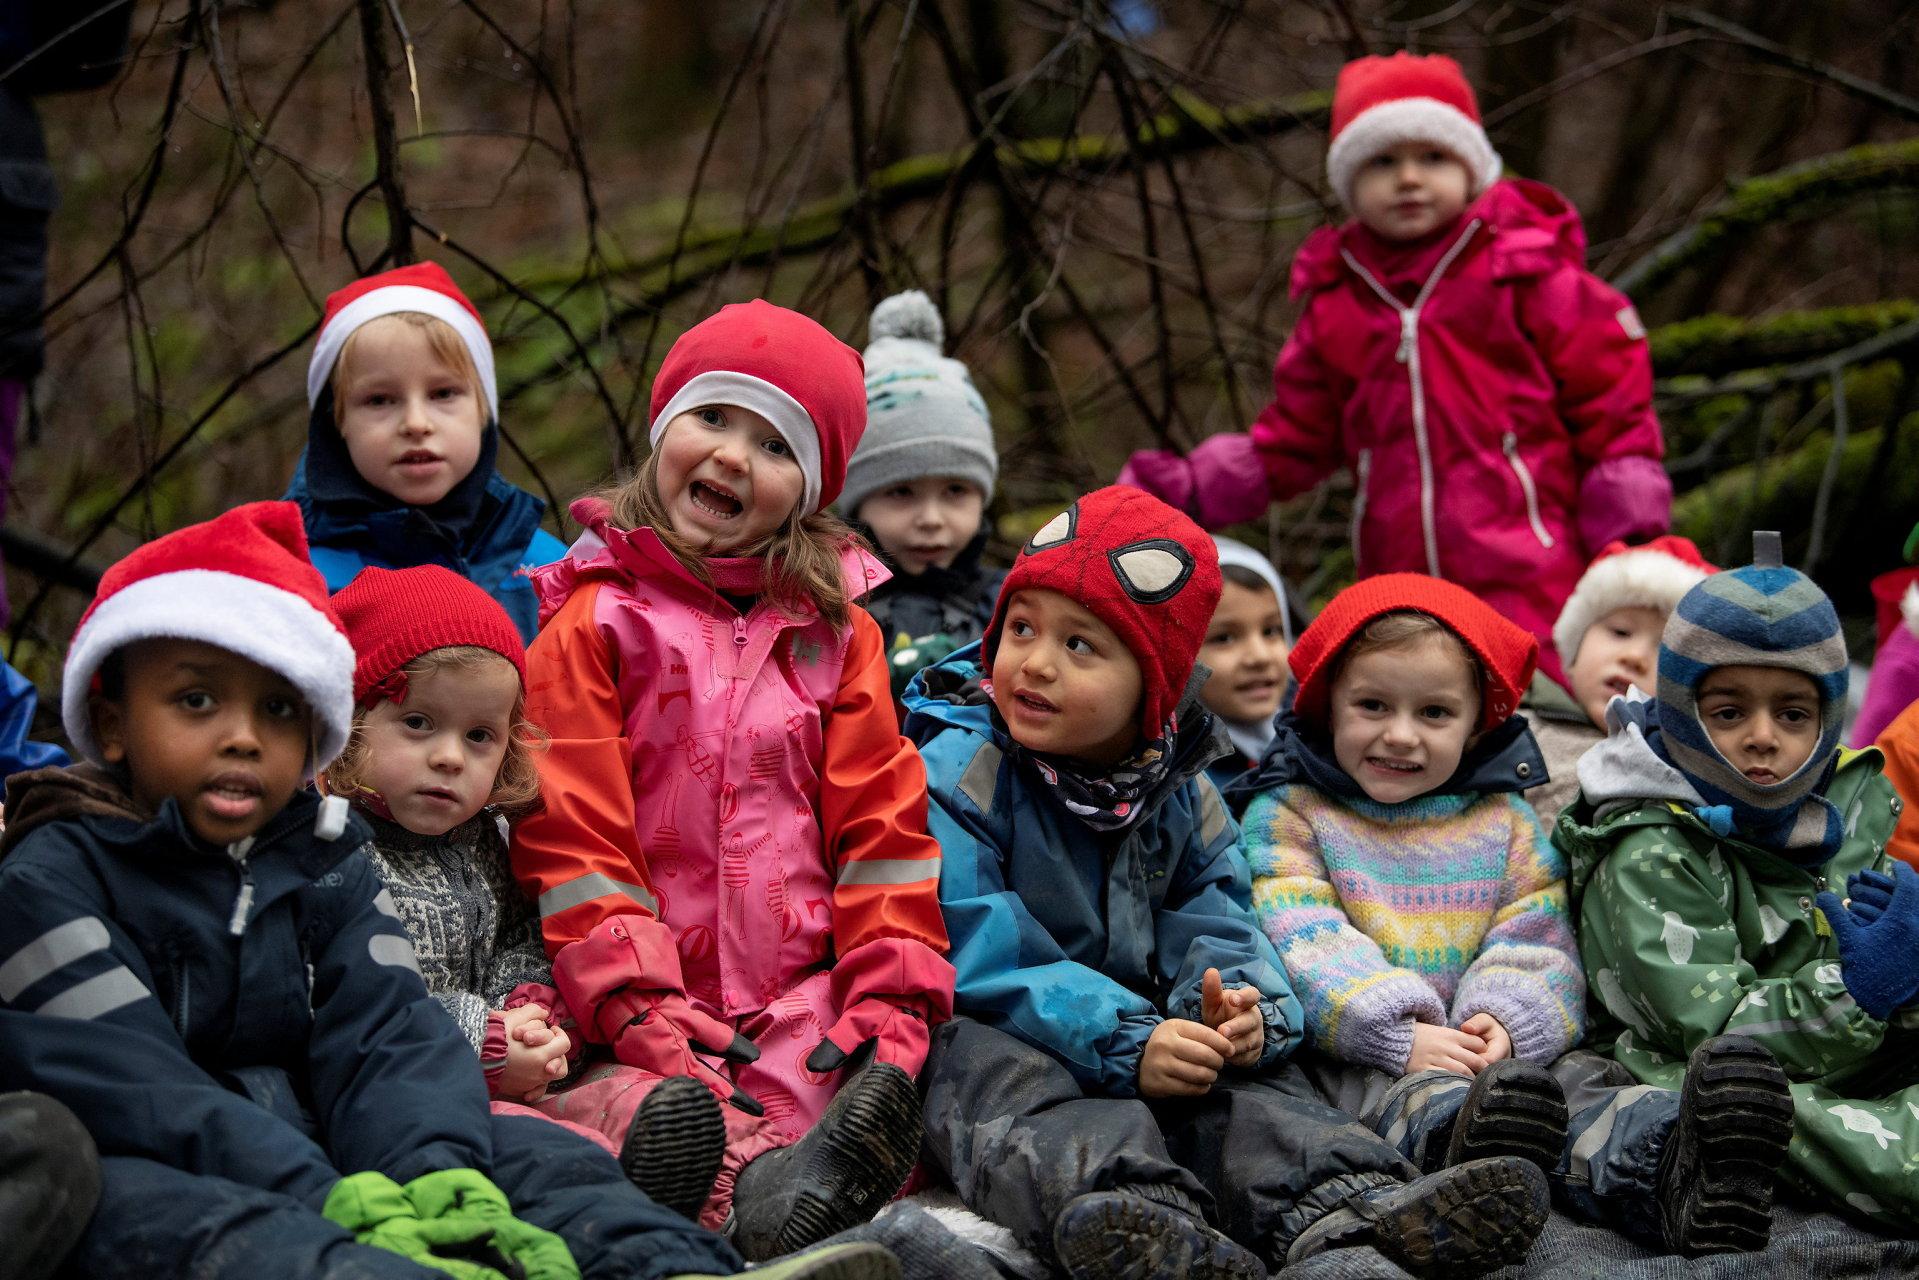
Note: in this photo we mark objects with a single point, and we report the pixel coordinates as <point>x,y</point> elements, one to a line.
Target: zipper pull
<point>243,904</point>
<point>1408,334</point>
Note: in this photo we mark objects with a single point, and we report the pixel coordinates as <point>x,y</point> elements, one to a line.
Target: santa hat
<point>1381,102</point>
<point>241,582</point>
<point>392,616</point>
<point>1653,575</point>
<point>1141,567</point>
<point>782,366</point>
<point>1506,654</point>
<point>424,287</point>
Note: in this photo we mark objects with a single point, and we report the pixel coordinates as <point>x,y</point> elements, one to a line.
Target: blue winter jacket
<point>251,1015</point>
<point>1076,941</point>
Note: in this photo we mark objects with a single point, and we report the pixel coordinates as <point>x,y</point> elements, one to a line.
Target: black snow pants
<point>49,1182</point>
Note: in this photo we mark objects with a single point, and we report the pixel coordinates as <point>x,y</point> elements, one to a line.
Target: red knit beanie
<point>1381,102</point>
<point>425,288</point>
<point>782,366</point>
<point>1139,566</point>
<point>395,615</point>
<point>1506,654</point>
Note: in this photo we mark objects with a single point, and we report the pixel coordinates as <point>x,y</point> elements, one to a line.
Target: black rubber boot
<point>1513,1109</point>
<point>838,1175</point>
<point>673,1149</point>
<point>1463,1221</point>
<point>1717,1172</point>
<point>1119,1235</point>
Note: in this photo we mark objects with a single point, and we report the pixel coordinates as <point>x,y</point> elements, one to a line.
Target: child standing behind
<point>1246,646</point>
<point>917,486</point>
<point>402,435</point>
<point>1490,396</point>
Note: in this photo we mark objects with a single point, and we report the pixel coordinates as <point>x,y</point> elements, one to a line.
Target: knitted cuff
<point>1537,1025</point>
<point>1376,1028</point>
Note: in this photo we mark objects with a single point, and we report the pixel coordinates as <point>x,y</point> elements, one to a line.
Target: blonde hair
<point>516,790</point>
<point>1401,629</point>
<point>441,339</point>
<point>802,556</point>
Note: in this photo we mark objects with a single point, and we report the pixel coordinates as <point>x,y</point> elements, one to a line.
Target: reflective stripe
<point>1841,1007</point>
<point>55,949</point>
<point>890,871</point>
<point>594,884</point>
<point>1212,811</point>
<point>97,995</point>
<point>981,778</point>
<point>384,904</point>
<point>388,949</point>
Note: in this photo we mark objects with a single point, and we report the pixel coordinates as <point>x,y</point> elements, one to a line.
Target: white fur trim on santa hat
<point>1909,607</point>
<point>272,627</point>
<point>392,300</point>
<point>744,391</point>
<point>1643,577</point>
<point>1375,129</point>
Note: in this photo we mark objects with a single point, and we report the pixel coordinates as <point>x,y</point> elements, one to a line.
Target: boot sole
<point>674,1147</point>
<point>1723,1157</point>
<point>1108,1236</point>
<point>1514,1109</point>
<point>836,1262</point>
<point>871,1138</point>
<point>1474,1218</point>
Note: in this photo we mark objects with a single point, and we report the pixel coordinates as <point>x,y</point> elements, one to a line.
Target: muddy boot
<point>1717,1171</point>
<point>1513,1109</point>
<point>838,1175</point>
<point>924,1246</point>
<point>1462,1221</point>
<point>673,1150</point>
<point>828,1262</point>
<point>1124,1235</point>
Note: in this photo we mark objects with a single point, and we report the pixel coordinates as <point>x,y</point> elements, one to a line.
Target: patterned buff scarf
<point>1106,801</point>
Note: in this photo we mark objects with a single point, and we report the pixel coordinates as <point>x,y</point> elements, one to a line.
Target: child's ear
<point>109,720</point>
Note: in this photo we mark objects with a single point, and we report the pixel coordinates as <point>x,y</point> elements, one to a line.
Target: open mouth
<point>232,795</point>
<point>1619,685</point>
<point>1399,767</point>
<point>419,458</point>
<point>714,501</point>
<point>1034,703</point>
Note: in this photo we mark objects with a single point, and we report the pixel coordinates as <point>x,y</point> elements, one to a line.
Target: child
<point>402,432</point>
<point>1245,649</point>
<point>917,485</point>
<point>1716,828</point>
<point>1408,887</point>
<point>731,860</point>
<point>1455,355</point>
<point>1608,638</point>
<point>1118,1084</point>
<point>198,961</point>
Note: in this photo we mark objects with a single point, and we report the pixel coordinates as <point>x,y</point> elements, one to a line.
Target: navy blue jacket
<point>1081,942</point>
<point>146,977</point>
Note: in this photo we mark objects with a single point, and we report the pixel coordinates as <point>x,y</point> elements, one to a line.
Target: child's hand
<point>1234,1014</point>
<point>535,1053</point>
<point>1499,1044</point>
<point>1182,1060</point>
<point>1446,1049</point>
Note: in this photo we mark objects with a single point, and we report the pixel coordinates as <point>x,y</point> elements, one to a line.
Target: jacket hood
<point>48,795</point>
<point>1626,769</point>
<point>1528,226</point>
<point>1550,700</point>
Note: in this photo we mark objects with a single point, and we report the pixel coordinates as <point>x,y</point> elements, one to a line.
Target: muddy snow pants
<point>49,1182</point>
<point>155,1220</point>
<point>1019,1138</point>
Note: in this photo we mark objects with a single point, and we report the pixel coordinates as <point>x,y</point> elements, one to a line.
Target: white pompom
<point>907,315</point>
<point>330,823</point>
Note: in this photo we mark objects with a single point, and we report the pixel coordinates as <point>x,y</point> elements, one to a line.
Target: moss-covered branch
<point>1711,346</point>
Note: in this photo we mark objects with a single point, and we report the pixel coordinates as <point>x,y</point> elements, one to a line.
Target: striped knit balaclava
<point>1764,615</point>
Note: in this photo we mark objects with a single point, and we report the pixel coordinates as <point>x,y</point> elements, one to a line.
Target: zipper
<point>1511,445</point>
<point>243,901</point>
<point>181,1004</point>
<point>1408,355</point>
<point>1365,470</point>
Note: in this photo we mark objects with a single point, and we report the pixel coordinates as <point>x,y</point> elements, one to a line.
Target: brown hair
<point>802,556</point>
<point>516,791</point>
<point>1401,629</point>
<point>446,345</point>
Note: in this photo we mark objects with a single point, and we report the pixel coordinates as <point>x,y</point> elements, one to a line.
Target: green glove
<point>374,1208</point>
<point>465,1196</point>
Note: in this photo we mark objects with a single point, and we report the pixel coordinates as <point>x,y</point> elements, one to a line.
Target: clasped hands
<point>1183,1058</point>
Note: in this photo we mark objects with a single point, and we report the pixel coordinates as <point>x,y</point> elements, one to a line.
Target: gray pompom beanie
<point>923,417</point>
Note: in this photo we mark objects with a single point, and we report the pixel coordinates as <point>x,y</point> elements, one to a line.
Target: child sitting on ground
<point>197,959</point>
<point>1717,829</point>
<point>917,486</point>
<point>1245,649</point>
<point>1490,396</point>
<point>402,434</point>
<point>1608,638</point>
<point>1117,1085</point>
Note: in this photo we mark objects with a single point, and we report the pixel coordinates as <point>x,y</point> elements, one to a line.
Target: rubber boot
<point>673,1149</point>
<point>828,1262</point>
<point>1722,1158</point>
<point>1124,1235</point>
<point>838,1175</point>
<point>1462,1221</point>
<point>1513,1109</point>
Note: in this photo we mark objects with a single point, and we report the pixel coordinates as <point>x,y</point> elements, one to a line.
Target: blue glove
<point>1877,944</point>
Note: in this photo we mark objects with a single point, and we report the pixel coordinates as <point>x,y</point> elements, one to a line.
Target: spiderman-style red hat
<point>1139,566</point>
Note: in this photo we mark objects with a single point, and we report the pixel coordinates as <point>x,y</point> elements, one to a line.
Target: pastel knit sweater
<point>1431,910</point>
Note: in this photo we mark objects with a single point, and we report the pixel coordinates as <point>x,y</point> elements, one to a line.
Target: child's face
<point>1410,189</point>
<point>1063,681</point>
<point>1246,648</point>
<point>224,736</point>
<point>411,422</point>
<point>1618,651</point>
<point>925,523</point>
<point>1402,717</point>
<point>1764,720</point>
<point>435,757</point>
<point>728,480</point>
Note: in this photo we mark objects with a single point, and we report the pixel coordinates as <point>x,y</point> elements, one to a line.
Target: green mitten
<point>466,1196</point>
<point>374,1208</point>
